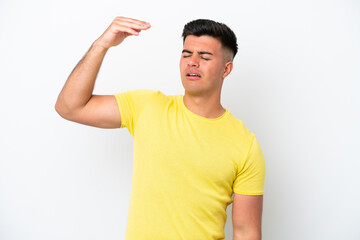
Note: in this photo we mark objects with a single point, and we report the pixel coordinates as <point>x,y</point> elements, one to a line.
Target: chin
<point>192,87</point>
<point>193,90</point>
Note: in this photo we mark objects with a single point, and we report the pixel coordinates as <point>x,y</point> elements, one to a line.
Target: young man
<point>192,156</point>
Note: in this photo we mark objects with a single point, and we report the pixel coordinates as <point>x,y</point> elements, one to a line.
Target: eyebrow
<point>200,52</point>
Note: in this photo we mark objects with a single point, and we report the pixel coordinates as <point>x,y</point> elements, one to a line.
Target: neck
<point>204,106</point>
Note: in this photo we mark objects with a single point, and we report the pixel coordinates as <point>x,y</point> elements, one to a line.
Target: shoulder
<point>135,95</point>
<point>240,129</point>
<point>141,91</point>
<point>160,96</point>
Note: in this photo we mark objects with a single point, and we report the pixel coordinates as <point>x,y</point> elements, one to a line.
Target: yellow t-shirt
<point>185,167</point>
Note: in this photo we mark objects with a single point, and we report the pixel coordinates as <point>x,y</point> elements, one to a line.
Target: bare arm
<point>246,216</point>
<point>76,101</point>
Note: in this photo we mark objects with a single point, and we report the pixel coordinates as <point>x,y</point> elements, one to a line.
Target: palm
<point>119,37</point>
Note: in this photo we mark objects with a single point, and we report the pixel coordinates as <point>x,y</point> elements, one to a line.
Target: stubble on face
<point>211,67</point>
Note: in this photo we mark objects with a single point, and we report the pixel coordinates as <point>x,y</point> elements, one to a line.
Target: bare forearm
<point>80,84</point>
<point>78,89</point>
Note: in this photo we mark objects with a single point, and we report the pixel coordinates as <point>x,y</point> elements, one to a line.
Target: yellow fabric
<point>185,167</point>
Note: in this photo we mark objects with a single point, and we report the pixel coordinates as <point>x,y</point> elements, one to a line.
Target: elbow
<point>60,106</point>
<point>62,111</point>
<point>59,109</point>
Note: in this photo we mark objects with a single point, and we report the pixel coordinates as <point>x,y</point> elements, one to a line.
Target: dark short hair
<point>214,29</point>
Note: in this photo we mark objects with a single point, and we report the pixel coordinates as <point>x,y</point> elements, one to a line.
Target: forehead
<point>202,43</point>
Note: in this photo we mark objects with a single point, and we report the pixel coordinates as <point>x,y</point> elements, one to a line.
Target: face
<point>204,64</point>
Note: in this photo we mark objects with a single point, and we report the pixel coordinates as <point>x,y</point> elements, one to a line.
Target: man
<point>192,157</point>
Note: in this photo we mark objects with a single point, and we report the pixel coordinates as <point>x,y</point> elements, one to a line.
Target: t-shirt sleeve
<point>250,178</point>
<point>131,104</point>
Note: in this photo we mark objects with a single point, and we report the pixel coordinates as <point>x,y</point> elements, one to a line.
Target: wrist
<point>98,46</point>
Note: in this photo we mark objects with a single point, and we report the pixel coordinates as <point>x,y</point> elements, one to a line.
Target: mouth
<point>193,75</point>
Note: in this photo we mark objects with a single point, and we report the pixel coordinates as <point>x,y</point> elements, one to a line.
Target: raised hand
<point>119,29</point>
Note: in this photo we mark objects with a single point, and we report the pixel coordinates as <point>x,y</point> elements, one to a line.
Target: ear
<point>227,69</point>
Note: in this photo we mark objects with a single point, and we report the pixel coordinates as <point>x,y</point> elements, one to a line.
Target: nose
<point>193,61</point>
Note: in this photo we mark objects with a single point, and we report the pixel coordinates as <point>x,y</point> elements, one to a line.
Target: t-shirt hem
<point>249,193</point>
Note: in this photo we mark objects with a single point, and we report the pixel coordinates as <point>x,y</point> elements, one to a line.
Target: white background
<point>295,84</point>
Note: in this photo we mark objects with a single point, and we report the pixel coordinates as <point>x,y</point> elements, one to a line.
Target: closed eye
<point>206,59</point>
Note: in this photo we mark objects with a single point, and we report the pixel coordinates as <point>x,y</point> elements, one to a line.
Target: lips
<point>192,75</point>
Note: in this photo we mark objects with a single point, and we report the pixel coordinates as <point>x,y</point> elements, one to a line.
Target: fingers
<point>131,20</point>
<point>131,26</point>
<point>119,29</point>
<point>128,30</point>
